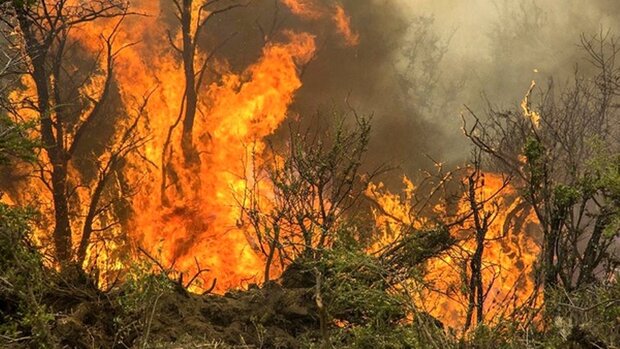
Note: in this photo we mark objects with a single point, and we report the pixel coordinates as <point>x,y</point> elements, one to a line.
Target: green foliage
<point>356,289</point>
<point>369,312</point>
<point>14,141</point>
<point>140,293</point>
<point>18,3</point>
<point>566,196</point>
<point>534,152</point>
<point>142,286</point>
<point>370,337</point>
<point>490,337</point>
<point>605,178</point>
<point>22,281</point>
<point>589,317</point>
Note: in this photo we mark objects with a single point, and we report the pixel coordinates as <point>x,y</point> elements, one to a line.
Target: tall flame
<point>198,227</point>
<point>201,223</point>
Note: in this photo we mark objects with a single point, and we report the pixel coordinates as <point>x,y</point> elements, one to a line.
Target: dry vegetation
<point>517,248</point>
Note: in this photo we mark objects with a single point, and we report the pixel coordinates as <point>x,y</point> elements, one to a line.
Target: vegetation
<point>555,155</point>
<point>335,274</point>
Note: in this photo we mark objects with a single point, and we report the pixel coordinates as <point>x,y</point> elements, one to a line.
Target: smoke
<point>501,43</point>
<point>418,62</point>
<point>498,46</point>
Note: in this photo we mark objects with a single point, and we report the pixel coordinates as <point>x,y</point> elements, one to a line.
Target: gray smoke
<point>420,61</point>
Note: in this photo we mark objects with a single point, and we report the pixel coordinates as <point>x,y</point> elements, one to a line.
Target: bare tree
<point>311,188</point>
<point>14,140</point>
<point>126,142</point>
<point>193,17</point>
<point>480,216</point>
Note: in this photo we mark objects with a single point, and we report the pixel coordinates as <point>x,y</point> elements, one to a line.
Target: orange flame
<point>304,8</point>
<point>198,228</point>
<point>343,23</point>
<point>309,10</point>
<point>509,256</point>
<point>201,222</point>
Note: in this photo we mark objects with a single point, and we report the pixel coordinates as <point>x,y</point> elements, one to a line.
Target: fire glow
<point>192,221</point>
<point>509,255</point>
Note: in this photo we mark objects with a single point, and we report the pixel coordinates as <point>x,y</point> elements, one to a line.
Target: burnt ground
<point>271,316</point>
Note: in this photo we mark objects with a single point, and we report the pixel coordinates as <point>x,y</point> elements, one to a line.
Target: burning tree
<point>68,97</point>
<point>480,256</point>
<point>193,17</point>
<point>564,156</point>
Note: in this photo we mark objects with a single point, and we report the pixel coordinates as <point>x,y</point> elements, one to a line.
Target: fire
<point>509,256</point>
<point>186,216</point>
<point>201,221</point>
<point>304,8</point>
<point>193,221</point>
<point>531,115</point>
<point>309,10</point>
<point>343,23</point>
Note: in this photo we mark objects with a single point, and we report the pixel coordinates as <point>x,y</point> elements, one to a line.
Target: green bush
<point>22,282</point>
<point>364,309</point>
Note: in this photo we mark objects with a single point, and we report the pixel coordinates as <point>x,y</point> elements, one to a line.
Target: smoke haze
<point>419,61</point>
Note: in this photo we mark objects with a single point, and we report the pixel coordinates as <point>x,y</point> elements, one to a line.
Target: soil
<point>271,316</point>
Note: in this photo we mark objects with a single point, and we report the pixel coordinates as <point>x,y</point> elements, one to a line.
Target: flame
<point>343,23</point>
<point>198,228</point>
<point>193,224</point>
<point>201,223</point>
<point>530,114</point>
<point>309,10</point>
<point>509,255</point>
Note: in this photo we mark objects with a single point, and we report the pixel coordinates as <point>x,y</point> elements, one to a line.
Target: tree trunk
<point>189,45</point>
<point>476,290</point>
<point>37,52</point>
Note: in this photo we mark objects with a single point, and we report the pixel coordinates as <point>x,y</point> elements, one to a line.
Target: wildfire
<point>309,10</point>
<point>193,222</point>
<point>343,23</point>
<point>201,220</point>
<point>200,227</point>
<point>186,216</point>
<point>304,8</point>
<point>507,263</point>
